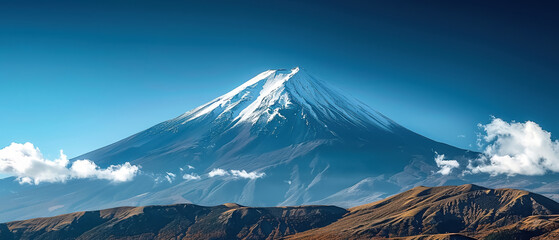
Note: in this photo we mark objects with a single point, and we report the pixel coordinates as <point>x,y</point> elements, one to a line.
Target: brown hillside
<point>423,213</point>
<point>437,210</point>
<point>181,221</point>
<point>542,227</point>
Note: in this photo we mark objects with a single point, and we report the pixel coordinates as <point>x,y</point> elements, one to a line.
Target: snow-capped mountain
<point>263,98</point>
<point>281,138</point>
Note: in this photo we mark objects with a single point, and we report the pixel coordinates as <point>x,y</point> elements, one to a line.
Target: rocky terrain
<point>180,221</point>
<point>470,210</point>
<point>450,212</point>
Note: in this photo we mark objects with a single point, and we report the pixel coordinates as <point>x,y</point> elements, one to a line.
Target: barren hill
<point>422,213</point>
<point>436,210</point>
<point>181,221</point>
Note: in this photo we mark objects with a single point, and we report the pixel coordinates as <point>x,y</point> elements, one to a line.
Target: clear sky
<point>78,75</point>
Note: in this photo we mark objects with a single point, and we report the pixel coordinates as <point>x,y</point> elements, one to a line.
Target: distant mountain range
<point>450,212</point>
<point>281,138</point>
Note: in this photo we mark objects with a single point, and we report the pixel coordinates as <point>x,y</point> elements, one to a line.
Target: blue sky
<point>78,75</point>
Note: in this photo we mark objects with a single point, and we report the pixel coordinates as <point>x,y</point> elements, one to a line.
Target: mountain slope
<point>467,209</point>
<point>289,125</point>
<point>182,221</point>
<point>282,138</point>
<point>276,110</point>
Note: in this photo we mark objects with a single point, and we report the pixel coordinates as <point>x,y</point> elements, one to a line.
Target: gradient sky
<point>78,75</point>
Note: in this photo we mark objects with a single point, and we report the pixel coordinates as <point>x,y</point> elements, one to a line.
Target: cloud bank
<point>516,149</point>
<point>27,163</point>
<point>445,166</point>
<point>236,173</point>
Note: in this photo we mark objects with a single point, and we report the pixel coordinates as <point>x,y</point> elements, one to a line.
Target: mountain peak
<point>285,70</point>
<point>270,95</point>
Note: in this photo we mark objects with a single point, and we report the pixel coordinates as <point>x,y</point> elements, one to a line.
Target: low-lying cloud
<point>191,176</point>
<point>516,149</point>
<point>245,174</point>
<point>170,177</point>
<point>217,172</point>
<point>513,148</point>
<point>26,162</point>
<point>445,166</point>
<point>236,173</point>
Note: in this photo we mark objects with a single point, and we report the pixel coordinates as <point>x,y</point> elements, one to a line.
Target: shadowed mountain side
<point>533,227</point>
<point>447,236</point>
<point>181,221</point>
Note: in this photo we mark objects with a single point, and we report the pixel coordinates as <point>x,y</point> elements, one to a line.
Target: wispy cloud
<point>170,177</point>
<point>56,207</point>
<point>27,163</point>
<point>445,166</point>
<point>189,167</point>
<point>516,148</point>
<point>236,173</point>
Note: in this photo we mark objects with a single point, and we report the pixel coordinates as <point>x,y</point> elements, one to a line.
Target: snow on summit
<point>265,97</point>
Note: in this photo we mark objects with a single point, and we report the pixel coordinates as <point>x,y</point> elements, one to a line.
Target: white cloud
<point>236,173</point>
<point>516,148</point>
<point>170,177</point>
<point>245,174</point>
<point>189,167</point>
<point>190,177</point>
<point>115,173</point>
<point>29,166</point>
<point>445,166</point>
<point>217,172</point>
